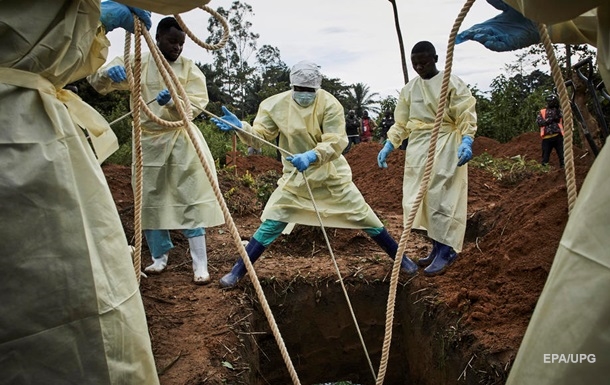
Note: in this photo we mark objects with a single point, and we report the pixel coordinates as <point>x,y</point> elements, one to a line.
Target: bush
<point>121,156</point>
<point>508,171</point>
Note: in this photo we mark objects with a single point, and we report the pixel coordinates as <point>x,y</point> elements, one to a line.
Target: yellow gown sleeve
<point>196,90</point>
<point>334,138</point>
<point>102,83</point>
<point>553,11</point>
<point>399,131</point>
<point>462,107</point>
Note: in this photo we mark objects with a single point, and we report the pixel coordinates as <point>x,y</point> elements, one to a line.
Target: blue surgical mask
<point>304,98</point>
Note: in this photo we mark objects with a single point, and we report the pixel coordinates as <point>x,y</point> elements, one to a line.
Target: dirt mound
<point>512,234</point>
<point>489,293</point>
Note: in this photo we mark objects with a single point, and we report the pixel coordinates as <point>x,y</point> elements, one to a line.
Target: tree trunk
<point>400,42</point>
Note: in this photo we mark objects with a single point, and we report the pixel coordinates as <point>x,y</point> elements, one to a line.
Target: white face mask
<point>304,98</point>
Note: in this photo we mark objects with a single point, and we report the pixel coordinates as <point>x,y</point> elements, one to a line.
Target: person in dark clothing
<point>386,122</point>
<point>352,127</point>
<point>550,121</point>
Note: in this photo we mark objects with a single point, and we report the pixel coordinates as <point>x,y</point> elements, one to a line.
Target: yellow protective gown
<point>443,210</point>
<point>571,317</point>
<point>320,127</point>
<point>71,311</point>
<point>176,191</point>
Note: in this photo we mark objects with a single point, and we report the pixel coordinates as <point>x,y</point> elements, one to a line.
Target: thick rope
<point>330,249</point>
<point>185,112</point>
<point>136,97</point>
<point>202,44</point>
<point>420,195</point>
<point>568,119</point>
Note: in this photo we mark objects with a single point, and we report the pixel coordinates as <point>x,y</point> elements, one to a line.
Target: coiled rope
<point>423,189</point>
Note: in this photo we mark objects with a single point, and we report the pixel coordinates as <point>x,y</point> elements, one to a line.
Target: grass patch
<point>508,171</point>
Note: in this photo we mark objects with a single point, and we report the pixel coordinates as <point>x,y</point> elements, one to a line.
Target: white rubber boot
<point>200,260</point>
<point>158,265</point>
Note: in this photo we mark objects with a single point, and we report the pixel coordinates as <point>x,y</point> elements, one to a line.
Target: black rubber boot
<point>423,262</point>
<point>389,245</point>
<point>254,250</point>
<point>444,258</point>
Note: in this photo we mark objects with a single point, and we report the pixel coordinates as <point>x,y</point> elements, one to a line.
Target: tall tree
<point>232,61</point>
<point>401,45</point>
<point>513,105</point>
<point>274,73</point>
<point>360,99</point>
<point>388,103</point>
<point>337,88</point>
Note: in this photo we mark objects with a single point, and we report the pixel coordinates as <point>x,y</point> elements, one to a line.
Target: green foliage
<point>265,184</point>
<point>219,142</point>
<point>508,171</point>
<point>513,105</point>
<point>121,156</point>
<point>388,103</point>
<point>231,62</point>
<point>247,179</point>
<point>360,99</point>
<point>336,88</point>
<point>247,193</point>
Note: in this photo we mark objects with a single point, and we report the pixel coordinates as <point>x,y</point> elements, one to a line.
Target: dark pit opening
<point>322,341</point>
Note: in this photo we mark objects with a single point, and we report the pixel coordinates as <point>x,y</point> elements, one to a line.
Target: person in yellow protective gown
<point>443,209</point>
<point>176,191</point>
<point>568,339</point>
<point>71,308</point>
<point>310,124</point>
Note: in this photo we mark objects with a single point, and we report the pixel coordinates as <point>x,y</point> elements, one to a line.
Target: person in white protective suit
<point>443,209</point>
<point>310,124</point>
<point>176,191</point>
<point>568,339</point>
<point>71,306</point>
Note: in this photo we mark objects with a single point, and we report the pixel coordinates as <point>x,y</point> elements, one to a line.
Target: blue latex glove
<point>114,15</point>
<point>507,31</point>
<point>117,74</point>
<point>164,97</point>
<point>383,154</point>
<point>228,117</point>
<point>302,161</point>
<point>465,151</point>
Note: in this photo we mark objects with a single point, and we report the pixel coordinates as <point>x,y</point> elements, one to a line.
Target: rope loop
<point>202,44</point>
